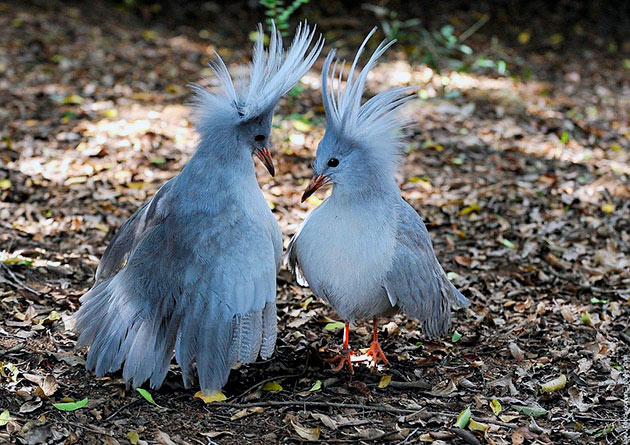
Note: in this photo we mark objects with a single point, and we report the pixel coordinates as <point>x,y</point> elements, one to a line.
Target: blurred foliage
<point>280,14</point>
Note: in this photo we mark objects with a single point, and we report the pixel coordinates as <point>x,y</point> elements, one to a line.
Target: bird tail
<point>455,297</point>
<point>121,332</point>
<point>127,332</point>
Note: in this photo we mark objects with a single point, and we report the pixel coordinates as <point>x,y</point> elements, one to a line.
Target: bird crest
<point>272,73</point>
<point>375,123</point>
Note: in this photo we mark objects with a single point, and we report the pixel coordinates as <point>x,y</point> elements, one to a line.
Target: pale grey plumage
<point>365,250</point>
<point>193,271</point>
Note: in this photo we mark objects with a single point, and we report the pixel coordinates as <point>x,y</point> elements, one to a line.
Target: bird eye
<point>259,138</point>
<point>333,162</point>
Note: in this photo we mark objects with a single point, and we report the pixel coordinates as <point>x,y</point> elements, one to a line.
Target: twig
<point>381,408</point>
<point>474,28</point>
<point>128,405</point>
<point>271,379</point>
<point>19,282</point>
<point>415,384</point>
<point>466,436</point>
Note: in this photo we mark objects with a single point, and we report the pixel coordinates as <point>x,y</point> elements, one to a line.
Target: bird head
<point>363,141</point>
<point>243,108</point>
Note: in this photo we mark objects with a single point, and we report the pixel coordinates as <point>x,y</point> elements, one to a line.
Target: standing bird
<point>365,250</point>
<point>193,271</point>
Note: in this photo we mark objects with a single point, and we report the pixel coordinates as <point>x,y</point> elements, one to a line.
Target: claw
<point>376,354</point>
<point>344,356</point>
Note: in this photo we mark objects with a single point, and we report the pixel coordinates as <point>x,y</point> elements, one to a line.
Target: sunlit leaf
<point>457,161</point>
<point>314,200</point>
<point>4,417</point>
<point>146,394</point>
<point>302,126</point>
<point>473,425</point>
<point>564,137</point>
<point>133,437</point>
<point>316,386</point>
<point>385,381</point>
<point>523,38</point>
<point>211,398</point>
<point>469,209</point>
<point>496,407</point>
<point>463,418</point>
<point>158,160</point>
<point>554,385</point>
<point>456,337</point>
<point>598,301</point>
<point>586,319</point>
<point>507,243</point>
<point>306,302</point>
<point>111,113</point>
<point>5,184</point>
<point>272,387</point>
<point>71,406</point>
<point>73,99</point>
<point>334,325</point>
<point>608,207</point>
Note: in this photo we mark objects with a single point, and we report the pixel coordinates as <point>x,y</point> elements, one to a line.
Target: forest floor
<point>522,179</point>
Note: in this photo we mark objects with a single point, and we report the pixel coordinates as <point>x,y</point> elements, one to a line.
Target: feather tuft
<point>375,123</point>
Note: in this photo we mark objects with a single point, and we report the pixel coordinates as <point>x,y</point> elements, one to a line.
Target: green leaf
<point>534,411</point>
<point>147,396</point>
<point>565,137</point>
<point>456,337</point>
<point>71,406</point>
<point>4,417</point>
<point>316,386</point>
<point>507,243</point>
<point>385,381</point>
<point>457,161</point>
<point>496,407</point>
<point>463,418</point>
<point>334,325</point>
<point>158,160</point>
<point>598,301</point>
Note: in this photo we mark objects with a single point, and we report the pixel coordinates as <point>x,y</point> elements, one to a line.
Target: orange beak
<point>265,157</point>
<point>316,182</point>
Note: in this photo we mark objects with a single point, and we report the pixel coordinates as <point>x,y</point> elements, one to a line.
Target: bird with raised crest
<point>192,273</point>
<point>365,250</point>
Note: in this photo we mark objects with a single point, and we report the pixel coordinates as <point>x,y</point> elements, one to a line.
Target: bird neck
<point>369,185</point>
<point>221,160</point>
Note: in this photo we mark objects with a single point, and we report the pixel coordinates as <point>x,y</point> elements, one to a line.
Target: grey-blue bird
<point>193,271</point>
<point>365,250</point>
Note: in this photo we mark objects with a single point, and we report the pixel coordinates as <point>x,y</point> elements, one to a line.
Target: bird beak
<point>265,157</point>
<point>316,182</point>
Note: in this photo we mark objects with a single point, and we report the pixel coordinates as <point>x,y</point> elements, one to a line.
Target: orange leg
<point>345,355</point>
<point>375,351</point>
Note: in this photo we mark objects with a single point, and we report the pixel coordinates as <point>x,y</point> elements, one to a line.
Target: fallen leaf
<point>4,417</point>
<point>272,387</point>
<point>463,419</point>
<point>211,398</point>
<point>71,406</point>
<point>496,407</point>
<point>306,433</point>
<point>385,380</point>
<point>133,437</point>
<point>554,385</point>
<point>147,395</point>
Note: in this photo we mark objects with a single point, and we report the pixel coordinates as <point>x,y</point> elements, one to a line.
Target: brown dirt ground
<point>523,181</point>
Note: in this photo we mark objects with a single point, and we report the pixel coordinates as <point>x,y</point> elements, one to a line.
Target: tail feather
<point>204,334</point>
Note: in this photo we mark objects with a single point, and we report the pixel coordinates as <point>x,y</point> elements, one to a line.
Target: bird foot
<point>375,353</point>
<point>344,357</point>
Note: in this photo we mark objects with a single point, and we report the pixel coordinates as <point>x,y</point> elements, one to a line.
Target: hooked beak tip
<point>316,182</point>
<point>265,157</point>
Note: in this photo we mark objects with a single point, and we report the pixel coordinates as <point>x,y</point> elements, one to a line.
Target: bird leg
<point>345,355</point>
<point>375,351</point>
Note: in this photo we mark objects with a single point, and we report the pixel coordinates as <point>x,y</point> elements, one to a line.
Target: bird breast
<point>345,253</point>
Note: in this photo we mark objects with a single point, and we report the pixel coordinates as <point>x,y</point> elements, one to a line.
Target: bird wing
<point>130,234</point>
<point>201,285</point>
<point>291,257</point>
<point>416,281</point>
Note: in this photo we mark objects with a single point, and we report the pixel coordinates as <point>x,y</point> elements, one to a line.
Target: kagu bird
<point>364,250</point>
<point>193,271</point>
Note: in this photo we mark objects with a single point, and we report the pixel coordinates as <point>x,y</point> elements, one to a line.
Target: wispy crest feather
<point>378,121</point>
<point>272,73</point>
